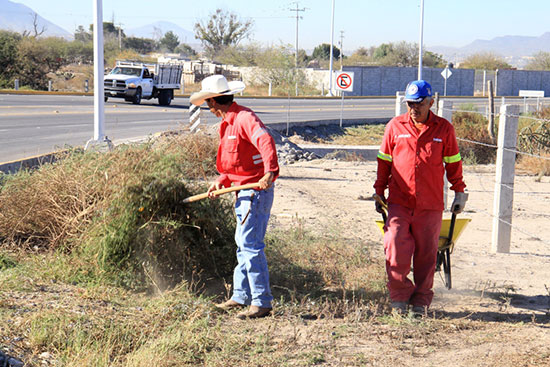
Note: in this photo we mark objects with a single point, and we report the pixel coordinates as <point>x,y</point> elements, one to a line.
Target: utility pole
<point>341,50</point>
<point>297,10</point>
<point>120,36</point>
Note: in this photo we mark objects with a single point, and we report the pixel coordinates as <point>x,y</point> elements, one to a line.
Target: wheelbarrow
<point>451,229</point>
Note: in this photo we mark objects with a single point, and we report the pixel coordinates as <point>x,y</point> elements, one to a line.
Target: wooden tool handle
<point>221,192</point>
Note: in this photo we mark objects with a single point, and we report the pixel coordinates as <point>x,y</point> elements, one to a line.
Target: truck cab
<point>134,81</point>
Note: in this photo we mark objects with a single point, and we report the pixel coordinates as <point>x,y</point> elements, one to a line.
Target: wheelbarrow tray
<point>460,224</point>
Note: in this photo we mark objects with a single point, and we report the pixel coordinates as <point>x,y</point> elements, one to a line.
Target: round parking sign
<point>344,81</point>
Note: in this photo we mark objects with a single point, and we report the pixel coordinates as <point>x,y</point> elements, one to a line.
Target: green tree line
<point>30,58</point>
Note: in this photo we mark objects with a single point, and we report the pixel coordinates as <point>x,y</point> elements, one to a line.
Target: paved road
<point>37,124</point>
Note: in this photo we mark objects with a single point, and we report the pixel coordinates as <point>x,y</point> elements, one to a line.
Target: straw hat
<point>213,86</point>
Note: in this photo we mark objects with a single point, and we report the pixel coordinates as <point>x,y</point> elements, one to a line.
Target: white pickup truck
<point>134,81</point>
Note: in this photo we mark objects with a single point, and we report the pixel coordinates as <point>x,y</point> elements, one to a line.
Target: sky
<point>363,23</point>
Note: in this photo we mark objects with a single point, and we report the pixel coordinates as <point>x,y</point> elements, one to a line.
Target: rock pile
<point>289,152</point>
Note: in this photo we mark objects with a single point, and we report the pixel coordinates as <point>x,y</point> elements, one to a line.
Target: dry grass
<point>534,165</point>
<point>121,213</point>
<point>359,135</point>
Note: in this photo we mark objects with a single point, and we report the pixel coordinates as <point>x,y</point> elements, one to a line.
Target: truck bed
<point>168,76</point>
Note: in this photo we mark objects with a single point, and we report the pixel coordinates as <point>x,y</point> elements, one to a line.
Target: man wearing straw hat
<point>246,154</point>
<point>417,149</point>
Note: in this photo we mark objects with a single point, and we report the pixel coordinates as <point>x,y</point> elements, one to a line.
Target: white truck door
<point>146,83</point>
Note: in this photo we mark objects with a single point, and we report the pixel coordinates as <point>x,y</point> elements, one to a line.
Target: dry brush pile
<point>120,213</point>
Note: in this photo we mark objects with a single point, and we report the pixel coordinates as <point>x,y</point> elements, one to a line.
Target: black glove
<point>378,199</point>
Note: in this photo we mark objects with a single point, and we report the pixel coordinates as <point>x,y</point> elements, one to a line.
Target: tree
<point>8,57</point>
<point>540,61</point>
<point>484,61</point>
<point>433,60</point>
<point>240,55</point>
<point>38,57</point>
<point>186,50</point>
<point>405,54</point>
<point>141,45</point>
<point>222,29</point>
<point>170,41</point>
<point>322,52</point>
<point>37,30</point>
<point>361,56</point>
<point>396,54</point>
<point>276,66</point>
<point>80,34</point>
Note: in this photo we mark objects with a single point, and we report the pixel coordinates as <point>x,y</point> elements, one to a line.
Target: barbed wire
<point>519,229</point>
<point>497,114</point>
<point>477,142</point>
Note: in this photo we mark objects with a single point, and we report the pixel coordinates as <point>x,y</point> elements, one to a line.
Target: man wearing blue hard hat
<point>418,148</point>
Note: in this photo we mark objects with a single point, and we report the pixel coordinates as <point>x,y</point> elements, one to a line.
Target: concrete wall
<point>509,82</point>
<point>385,81</point>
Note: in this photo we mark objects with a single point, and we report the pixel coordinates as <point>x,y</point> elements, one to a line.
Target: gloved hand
<point>380,208</point>
<point>459,202</point>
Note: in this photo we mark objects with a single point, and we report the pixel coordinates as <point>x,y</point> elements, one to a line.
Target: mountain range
<point>20,18</point>
<point>516,50</point>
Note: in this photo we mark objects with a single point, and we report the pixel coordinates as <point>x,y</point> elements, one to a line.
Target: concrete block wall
<point>386,81</point>
<point>509,82</point>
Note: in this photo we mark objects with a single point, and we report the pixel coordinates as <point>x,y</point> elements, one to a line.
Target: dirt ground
<point>507,294</point>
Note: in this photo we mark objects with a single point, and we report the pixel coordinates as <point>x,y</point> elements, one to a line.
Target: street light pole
<point>99,140</point>
<point>331,43</point>
<point>421,39</point>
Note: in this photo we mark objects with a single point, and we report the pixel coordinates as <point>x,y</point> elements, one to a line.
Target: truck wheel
<point>106,98</point>
<point>165,97</point>
<point>137,97</point>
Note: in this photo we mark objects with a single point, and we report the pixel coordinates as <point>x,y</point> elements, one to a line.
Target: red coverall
<point>246,151</point>
<point>411,164</point>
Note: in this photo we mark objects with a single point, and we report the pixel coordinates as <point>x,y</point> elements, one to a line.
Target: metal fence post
<point>445,110</point>
<point>400,103</point>
<point>504,178</point>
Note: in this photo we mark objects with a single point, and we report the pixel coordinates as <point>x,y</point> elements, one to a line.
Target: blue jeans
<point>251,276</point>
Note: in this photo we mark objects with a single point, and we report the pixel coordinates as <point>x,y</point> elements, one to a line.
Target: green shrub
<point>121,212</point>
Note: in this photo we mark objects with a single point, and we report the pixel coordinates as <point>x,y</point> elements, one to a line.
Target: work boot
<point>228,305</point>
<point>254,312</point>
<point>399,307</point>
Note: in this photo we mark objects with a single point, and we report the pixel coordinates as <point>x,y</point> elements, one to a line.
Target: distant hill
<point>516,50</point>
<point>19,18</point>
<point>158,29</point>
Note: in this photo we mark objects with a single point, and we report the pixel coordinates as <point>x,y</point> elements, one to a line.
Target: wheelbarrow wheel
<point>446,261</point>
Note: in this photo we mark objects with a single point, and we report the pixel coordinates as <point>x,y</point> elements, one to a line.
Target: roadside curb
<point>31,162</point>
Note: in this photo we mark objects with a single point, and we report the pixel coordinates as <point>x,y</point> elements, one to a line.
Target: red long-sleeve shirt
<point>247,150</point>
<point>412,163</point>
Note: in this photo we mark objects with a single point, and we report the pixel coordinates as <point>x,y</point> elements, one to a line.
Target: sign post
<point>344,82</point>
<point>446,74</point>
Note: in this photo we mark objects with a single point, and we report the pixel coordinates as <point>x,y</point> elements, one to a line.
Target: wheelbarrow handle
<point>384,206</point>
<point>451,230</point>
